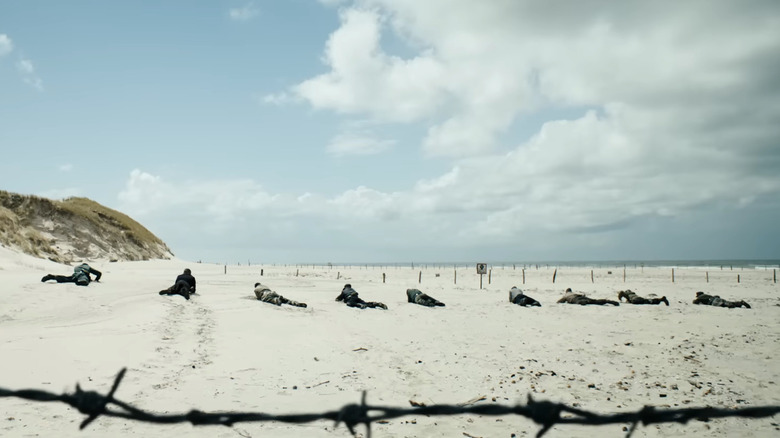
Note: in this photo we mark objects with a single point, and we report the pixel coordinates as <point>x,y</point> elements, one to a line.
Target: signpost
<point>481,270</point>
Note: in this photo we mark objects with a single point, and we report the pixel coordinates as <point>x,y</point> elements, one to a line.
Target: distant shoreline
<point>758,264</point>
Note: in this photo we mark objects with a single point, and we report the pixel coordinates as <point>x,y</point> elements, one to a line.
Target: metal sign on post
<point>481,270</point>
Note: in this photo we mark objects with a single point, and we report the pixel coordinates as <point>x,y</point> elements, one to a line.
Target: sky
<point>369,131</point>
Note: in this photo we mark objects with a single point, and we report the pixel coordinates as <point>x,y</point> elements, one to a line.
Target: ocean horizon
<point>724,264</point>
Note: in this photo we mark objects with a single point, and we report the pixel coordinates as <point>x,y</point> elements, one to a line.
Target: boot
<point>664,300</point>
<point>46,278</point>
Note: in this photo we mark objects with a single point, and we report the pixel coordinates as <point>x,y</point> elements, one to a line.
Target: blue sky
<point>378,130</point>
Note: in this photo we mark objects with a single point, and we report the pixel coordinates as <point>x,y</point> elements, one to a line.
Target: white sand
<point>224,350</point>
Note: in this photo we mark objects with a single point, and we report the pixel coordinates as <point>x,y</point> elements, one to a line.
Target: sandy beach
<point>225,351</point>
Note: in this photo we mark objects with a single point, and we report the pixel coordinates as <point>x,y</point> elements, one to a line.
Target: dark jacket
<point>189,279</point>
<point>347,294</point>
<point>81,274</point>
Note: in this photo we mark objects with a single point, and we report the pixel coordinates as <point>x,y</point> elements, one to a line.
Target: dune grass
<point>101,216</point>
<point>25,223</point>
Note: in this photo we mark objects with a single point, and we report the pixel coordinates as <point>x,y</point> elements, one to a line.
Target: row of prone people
<point>517,296</point>
<point>186,285</point>
<point>348,295</point>
<point>351,298</point>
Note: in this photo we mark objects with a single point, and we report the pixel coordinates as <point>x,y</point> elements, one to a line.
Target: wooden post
<point>383,277</point>
<point>490,274</point>
<point>419,278</point>
<point>261,272</point>
<point>225,269</point>
<point>523,275</point>
<point>554,274</point>
<point>737,278</point>
<point>296,272</point>
<point>774,275</point>
<point>672,275</point>
<point>624,274</point>
<point>591,276</point>
<point>480,281</point>
<point>338,275</point>
<point>455,276</point>
<point>707,275</point>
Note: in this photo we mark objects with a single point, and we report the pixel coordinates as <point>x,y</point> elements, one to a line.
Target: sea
<point>731,264</point>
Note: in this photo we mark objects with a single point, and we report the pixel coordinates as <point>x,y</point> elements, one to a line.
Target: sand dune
<point>224,350</point>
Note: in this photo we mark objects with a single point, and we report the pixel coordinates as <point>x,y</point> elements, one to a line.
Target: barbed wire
<point>545,413</point>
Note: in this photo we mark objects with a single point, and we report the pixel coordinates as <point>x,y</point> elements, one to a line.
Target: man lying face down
<point>184,285</point>
<point>80,276</point>
<point>573,298</point>
<point>417,297</point>
<point>633,298</point>
<point>710,300</point>
<point>351,299</point>
<point>266,295</point>
<point>517,296</point>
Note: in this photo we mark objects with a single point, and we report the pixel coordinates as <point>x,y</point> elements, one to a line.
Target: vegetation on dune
<point>104,216</point>
<point>74,229</point>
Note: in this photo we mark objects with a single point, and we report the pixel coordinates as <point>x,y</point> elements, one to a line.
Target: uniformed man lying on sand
<point>517,296</point>
<point>184,285</point>
<point>80,276</point>
<point>702,298</point>
<point>350,297</point>
<point>266,295</point>
<point>572,298</point>
<point>417,297</point>
<point>633,298</point>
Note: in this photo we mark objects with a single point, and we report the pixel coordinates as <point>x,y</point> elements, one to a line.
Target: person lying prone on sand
<point>266,295</point>
<point>573,298</point>
<point>710,300</point>
<point>417,297</point>
<point>184,285</point>
<point>633,298</point>
<point>351,299</point>
<point>516,296</point>
<point>80,276</point>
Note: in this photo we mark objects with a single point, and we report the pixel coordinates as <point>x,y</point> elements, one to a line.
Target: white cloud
<point>479,66</point>
<point>66,167</point>
<point>680,117</point>
<point>219,200</point>
<point>25,67</point>
<point>358,144</point>
<point>6,45</point>
<point>244,13</point>
<point>364,80</point>
<point>29,76</point>
<point>61,193</point>
<point>278,99</point>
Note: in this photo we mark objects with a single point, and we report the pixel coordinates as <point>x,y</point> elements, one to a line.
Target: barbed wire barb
<point>544,413</point>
